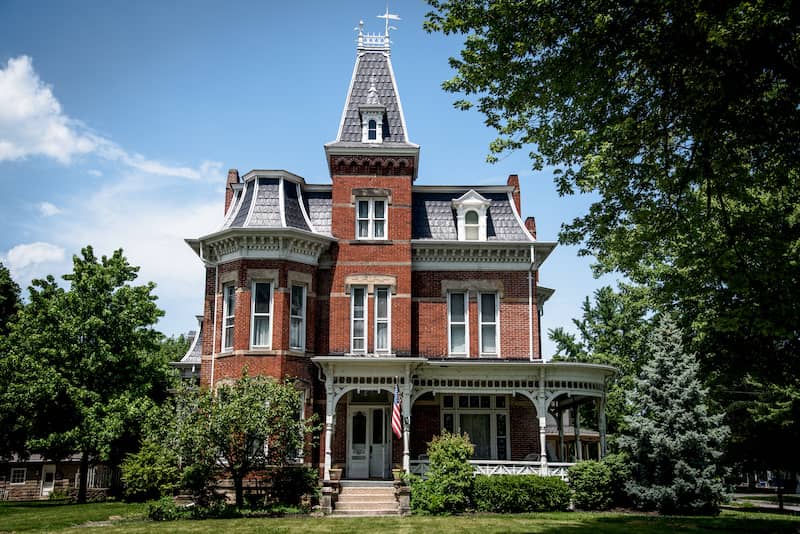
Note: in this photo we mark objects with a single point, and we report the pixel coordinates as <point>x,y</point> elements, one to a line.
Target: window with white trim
<point>371,218</point>
<point>261,309</point>
<point>18,475</point>
<point>228,315</point>
<point>487,328</point>
<point>471,226</point>
<point>383,336</point>
<point>297,318</point>
<point>458,319</point>
<point>372,130</point>
<point>484,418</point>
<point>358,319</point>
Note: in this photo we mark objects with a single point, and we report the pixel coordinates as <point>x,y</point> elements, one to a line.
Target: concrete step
<point>364,513</point>
<point>366,498</point>
<point>366,506</point>
<point>366,483</point>
<point>359,492</point>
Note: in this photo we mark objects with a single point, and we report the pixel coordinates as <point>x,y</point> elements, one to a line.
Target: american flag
<point>397,423</point>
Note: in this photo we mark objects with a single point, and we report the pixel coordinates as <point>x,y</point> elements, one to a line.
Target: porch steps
<point>366,498</point>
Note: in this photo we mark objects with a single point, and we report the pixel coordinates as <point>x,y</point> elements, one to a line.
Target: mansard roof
<point>433,217</point>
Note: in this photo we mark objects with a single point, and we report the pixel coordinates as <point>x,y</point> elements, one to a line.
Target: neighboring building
<point>38,478</point>
<point>373,283</point>
<point>189,366</point>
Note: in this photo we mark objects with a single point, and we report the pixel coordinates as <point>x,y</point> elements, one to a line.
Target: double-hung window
<point>297,318</point>
<point>228,315</point>
<point>471,226</point>
<point>358,319</point>
<point>458,319</point>
<point>488,318</point>
<point>371,218</point>
<point>18,475</point>
<point>262,307</point>
<point>382,319</point>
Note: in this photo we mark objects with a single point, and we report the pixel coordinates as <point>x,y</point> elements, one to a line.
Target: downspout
<point>530,306</point>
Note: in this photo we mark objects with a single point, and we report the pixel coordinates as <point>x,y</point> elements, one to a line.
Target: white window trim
<point>493,411</point>
<point>365,319</point>
<point>228,314</point>
<point>371,218</point>
<point>388,320</point>
<point>496,323</point>
<point>302,317</point>
<point>450,323</point>
<point>270,315</point>
<point>24,476</point>
<point>471,201</point>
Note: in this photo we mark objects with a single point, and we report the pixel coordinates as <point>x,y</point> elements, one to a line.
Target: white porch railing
<point>505,467</point>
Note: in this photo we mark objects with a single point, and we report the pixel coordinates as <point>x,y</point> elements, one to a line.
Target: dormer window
<point>472,210</point>
<point>372,130</point>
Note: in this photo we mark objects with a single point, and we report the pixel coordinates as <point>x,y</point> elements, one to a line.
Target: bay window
<point>261,315</point>
<point>297,318</point>
<point>228,315</point>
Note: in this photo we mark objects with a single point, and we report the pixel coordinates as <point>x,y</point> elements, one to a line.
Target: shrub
<point>164,509</point>
<point>150,473</point>
<point>290,484</point>
<point>448,484</point>
<point>520,493</point>
<point>620,468</point>
<point>591,485</point>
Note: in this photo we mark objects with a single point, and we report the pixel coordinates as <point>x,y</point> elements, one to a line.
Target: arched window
<point>372,130</point>
<point>471,226</point>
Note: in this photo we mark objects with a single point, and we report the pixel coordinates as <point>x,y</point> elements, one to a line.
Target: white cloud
<point>46,209</point>
<point>32,260</point>
<point>95,172</point>
<point>32,123</point>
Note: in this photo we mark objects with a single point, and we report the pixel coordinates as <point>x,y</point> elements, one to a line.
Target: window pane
<point>463,401</point>
<point>378,225</point>
<point>230,299</point>
<point>488,343</point>
<point>358,329</point>
<point>382,336</point>
<point>261,298</point>
<point>488,307</point>
<point>448,401</point>
<point>471,217</point>
<point>457,307</point>
<point>380,208</point>
<point>377,427</point>
<point>358,344</point>
<point>297,300</point>
<point>296,333</point>
<point>448,422</point>
<point>457,339</point>
<point>363,228</point>
<point>500,401</point>
<point>383,303</point>
<point>478,426</point>
<point>358,302</point>
<point>471,233</point>
<point>261,331</point>
<point>363,209</point>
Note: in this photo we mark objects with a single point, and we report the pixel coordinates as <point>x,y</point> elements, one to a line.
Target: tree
<point>674,443</point>
<point>613,331</point>
<point>9,299</point>
<point>683,118</point>
<point>81,370</point>
<point>241,427</point>
<point>12,437</point>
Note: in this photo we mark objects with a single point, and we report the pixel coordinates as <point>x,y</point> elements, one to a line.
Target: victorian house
<point>373,283</point>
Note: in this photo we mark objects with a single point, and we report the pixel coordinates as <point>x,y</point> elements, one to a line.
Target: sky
<point>119,121</point>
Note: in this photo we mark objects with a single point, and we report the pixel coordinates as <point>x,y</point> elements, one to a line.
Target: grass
<point>128,518</point>
<point>787,499</point>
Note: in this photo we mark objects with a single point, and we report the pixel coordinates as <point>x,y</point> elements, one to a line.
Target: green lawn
<point>47,517</point>
<point>787,499</point>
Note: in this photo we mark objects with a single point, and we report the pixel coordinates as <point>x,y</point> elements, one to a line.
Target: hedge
<point>520,493</point>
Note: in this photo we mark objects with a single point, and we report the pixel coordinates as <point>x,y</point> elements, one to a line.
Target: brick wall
<point>524,428</point>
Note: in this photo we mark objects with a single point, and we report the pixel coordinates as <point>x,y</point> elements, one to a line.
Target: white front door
<point>368,450</point>
<point>48,479</point>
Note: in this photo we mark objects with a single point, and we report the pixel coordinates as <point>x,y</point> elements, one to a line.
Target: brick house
<point>373,283</point>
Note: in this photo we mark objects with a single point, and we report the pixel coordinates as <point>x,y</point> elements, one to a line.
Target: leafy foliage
<point>241,427</point>
<point>448,483</point>
<point>80,372</point>
<point>150,473</point>
<point>513,494</point>
<point>9,299</point>
<point>682,117</point>
<point>674,443</point>
<point>590,482</point>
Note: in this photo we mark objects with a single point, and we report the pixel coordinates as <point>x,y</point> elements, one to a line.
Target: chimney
<point>530,225</point>
<point>233,178</point>
<point>513,180</point>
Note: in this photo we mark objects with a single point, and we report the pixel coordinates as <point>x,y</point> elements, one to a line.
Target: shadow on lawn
<point>670,525</point>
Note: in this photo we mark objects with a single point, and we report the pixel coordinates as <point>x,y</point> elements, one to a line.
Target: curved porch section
<point>523,416</point>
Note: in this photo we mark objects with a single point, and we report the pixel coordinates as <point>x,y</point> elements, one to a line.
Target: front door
<point>48,479</point>
<point>368,455</point>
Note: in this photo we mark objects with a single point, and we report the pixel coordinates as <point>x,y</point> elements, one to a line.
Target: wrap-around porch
<point>524,417</point>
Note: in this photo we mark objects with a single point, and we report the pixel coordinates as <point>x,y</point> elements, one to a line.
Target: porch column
<point>578,444</point>
<point>330,424</point>
<point>602,425</point>
<point>406,412</point>
<point>541,412</point>
<point>560,422</point>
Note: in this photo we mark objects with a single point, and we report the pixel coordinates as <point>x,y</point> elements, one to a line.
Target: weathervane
<point>387,17</point>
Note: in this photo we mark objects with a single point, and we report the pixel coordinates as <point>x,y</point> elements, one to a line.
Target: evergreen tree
<point>674,443</point>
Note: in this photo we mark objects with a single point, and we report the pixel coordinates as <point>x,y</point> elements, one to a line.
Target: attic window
<point>372,130</point>
<point>472,210</point>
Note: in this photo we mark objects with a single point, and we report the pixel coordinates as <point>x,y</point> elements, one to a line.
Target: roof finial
<point>387,17</point>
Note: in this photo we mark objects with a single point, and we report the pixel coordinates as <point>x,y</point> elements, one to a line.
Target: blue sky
<point>119,120</point>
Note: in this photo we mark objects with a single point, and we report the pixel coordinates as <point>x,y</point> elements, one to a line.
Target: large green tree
<point>673,441</point>
<point>82,365</point>
<point>613,330</point>
<point>238,428</point>
<point>12,437</point>
<point>682,116</point>
<point>9,299</point>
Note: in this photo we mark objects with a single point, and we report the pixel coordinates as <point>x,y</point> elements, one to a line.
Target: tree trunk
<point>238,485</point>
<point>780,491</point>
<point>84,477</point>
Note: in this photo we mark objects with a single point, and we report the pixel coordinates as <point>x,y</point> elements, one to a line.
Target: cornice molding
<point>286,244</point>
